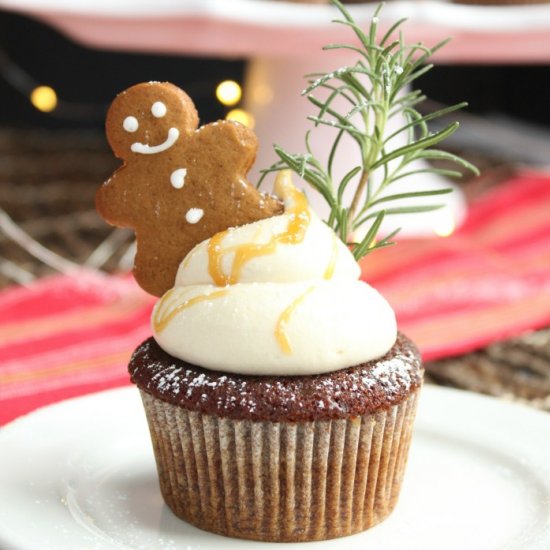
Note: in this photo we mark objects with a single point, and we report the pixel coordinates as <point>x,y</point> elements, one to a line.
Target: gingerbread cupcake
<point>279,394</point>
<point>255,414</point>
<point>279,397</point>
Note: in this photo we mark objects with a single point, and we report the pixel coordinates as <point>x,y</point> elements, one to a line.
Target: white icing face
<point>158,109</point>
<point>130,124</point>
<point>194,215</point>
<point>144,149</point>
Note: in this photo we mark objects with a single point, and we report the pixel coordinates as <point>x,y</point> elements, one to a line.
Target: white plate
<point>81,475</point>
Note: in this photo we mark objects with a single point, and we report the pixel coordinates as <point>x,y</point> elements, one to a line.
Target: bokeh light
<point>239,115</point>
<point>44,99</point>
<point>229,92</point>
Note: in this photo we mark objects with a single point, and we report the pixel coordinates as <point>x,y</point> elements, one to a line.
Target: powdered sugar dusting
<point>353,391</point>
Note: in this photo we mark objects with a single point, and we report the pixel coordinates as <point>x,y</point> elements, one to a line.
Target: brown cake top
<point>354,391</point>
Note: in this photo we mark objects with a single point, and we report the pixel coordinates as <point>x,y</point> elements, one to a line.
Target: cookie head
<point>149,119</point>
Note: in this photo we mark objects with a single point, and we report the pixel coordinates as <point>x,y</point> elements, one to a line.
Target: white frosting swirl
<point>280,296</point>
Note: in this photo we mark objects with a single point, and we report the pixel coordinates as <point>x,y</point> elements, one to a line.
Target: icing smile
<point>144,149</point>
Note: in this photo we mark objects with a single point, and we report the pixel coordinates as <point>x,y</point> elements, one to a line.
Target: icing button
<point>194,215</point>
<point>177,178</point>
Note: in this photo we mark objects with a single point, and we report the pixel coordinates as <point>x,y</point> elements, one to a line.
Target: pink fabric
<point>66,336</point>
<point>488,281</point>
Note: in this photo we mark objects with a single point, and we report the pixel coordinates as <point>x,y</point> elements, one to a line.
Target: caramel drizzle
<point>280,330</point>
<point>299,219</point>
<point>167,309</point>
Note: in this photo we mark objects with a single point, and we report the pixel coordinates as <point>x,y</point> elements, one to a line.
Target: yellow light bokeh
<point>445,227</point>
<point>238,115</point>
<point>44,99</point>
<point>229,92</point>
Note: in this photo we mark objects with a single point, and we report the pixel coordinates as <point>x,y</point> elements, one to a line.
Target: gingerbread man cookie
<point>179,184</point>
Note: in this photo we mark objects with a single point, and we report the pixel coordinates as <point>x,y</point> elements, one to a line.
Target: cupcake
<point>279,393</point>
<point>280,458</point>
<point>279,396</point>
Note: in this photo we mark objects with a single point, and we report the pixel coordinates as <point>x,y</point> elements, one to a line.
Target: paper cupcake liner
<point>280,481</point>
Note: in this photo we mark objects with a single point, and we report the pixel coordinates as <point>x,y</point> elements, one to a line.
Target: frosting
<point>194,215</point>
<point>279,296</point>
<point>158,109</point>
<point>130,124</point>
<point>295,246</point>
<point>177,178</point>
<point>144,149</point>
<point>281,329</point>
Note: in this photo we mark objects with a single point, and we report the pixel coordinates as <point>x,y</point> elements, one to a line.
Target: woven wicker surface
<point>47,187</point>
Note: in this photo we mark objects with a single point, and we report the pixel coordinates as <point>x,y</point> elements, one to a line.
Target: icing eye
<point>158,109</point>
<point>130,124</point>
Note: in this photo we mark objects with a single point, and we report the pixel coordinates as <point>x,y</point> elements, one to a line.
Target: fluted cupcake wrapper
<point>280,481</point>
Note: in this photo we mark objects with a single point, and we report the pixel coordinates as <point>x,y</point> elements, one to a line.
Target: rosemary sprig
<point>373,90</point>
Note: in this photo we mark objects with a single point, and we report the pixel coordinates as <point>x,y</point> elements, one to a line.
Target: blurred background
<point>86,80</point>
<point>54,93</point>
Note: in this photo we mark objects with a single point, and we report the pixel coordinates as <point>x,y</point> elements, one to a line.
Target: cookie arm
<point>231,146</point>
<point>112,201</point>
<point>231,149</point>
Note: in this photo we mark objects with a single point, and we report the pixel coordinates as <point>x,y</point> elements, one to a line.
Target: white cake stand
<point>283,42</point>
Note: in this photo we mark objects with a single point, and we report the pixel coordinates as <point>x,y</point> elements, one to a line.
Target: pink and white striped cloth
<point>66,336</point>
<point>488,281</point>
